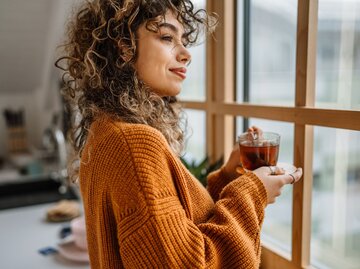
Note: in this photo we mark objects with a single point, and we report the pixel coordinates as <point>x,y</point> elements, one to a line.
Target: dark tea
<point>253,156</point>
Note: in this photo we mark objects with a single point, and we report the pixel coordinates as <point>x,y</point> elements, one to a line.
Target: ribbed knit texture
<point>143,208</point>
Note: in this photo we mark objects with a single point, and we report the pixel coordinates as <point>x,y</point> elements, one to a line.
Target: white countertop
<point>23,231</point>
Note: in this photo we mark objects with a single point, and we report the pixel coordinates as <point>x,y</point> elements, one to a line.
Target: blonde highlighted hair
<point>98,65</point>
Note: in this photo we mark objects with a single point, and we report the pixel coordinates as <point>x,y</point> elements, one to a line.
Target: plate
<point>289,168</point>
<point>70,251</point>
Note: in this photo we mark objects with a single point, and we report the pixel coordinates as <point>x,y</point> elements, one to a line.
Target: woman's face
<point>162,57</point>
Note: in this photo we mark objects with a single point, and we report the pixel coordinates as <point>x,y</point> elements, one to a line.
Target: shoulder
<point>118,133</point>
<point>120,141</point>
<point>131,156</point>
<point>141,135</point>
<point>147,146</point>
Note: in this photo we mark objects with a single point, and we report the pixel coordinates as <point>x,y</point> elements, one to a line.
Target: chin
<point>169,92</point>
<point>175,91</point>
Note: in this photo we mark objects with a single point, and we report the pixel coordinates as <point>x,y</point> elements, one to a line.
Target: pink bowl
<point>79,232</point>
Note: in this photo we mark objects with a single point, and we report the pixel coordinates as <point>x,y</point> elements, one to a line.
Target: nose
<point>183,55</point>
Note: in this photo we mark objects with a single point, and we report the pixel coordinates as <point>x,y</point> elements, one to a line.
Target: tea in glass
<point>259,151</point>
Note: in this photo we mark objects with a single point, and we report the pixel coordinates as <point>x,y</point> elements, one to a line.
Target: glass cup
<point>257,151</point>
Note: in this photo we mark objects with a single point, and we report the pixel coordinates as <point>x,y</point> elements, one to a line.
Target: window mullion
<point>221,78</point>
<point>304,135</point>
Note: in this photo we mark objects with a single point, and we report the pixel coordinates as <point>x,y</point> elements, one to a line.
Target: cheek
<point>161,56</point>
<point>150,73</point>
<point>152,65</point>
<point>149,64</point>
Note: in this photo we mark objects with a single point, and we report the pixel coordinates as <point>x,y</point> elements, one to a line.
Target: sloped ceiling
<point>24,27</point>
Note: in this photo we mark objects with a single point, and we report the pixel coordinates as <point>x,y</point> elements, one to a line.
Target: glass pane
<point>278,220</point>
<point>196,137</point>
<point>272,52</point>
<point>335,235</point>
<point>338,55</point>
<point>240,53</point>
<point>239,126</point>
<point>194,84</point>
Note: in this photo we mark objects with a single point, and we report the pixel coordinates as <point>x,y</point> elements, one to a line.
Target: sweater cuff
<point>250,186</point>
<point>261,189</point>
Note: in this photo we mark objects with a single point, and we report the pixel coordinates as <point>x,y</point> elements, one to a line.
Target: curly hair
<point>99,76</point>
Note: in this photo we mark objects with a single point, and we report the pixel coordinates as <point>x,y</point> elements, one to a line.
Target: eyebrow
<point>171,27</point>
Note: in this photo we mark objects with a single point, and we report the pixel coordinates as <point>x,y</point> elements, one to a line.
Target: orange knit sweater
<point>144,209</point>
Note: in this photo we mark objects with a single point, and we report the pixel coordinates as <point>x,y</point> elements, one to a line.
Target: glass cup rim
<point>244,135</point>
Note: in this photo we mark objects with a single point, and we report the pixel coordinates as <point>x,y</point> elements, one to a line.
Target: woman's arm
<point>161,235</point>
<point>154,229</point>
<point>231,170</point>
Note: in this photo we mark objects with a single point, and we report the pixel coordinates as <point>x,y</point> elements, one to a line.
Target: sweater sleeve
<point>165,236</point>
<point>216,181</point>
<point>154,230</point>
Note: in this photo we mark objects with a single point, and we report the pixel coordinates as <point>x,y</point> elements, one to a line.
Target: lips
<point>181,72</point>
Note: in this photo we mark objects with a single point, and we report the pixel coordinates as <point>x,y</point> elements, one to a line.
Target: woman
<point>126,63</point>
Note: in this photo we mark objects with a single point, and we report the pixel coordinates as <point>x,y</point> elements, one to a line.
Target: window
<point>338,55</point>
<point>335,230</point>
<point>300,77</point>
<point>195,138</point>
<point>194,84</point>
<point>278,222</point>
<point>271,43</point>
<point>271,49</point>
<point>194,90</point>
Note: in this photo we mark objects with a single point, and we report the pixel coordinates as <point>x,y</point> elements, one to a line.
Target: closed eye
<point>170,39</point>
<point>167,38</point>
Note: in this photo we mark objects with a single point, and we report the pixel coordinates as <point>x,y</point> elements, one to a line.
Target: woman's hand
<point>274,180</point>
<point>234,160</point>
<point>254,132</point>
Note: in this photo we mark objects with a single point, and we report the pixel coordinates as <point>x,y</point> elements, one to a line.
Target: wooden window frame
<point>221,109</point>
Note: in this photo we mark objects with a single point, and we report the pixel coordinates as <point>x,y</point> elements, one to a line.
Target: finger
<point>236,147</point>
<point>294,177</point>
<point>257,130</point>
<point>254,132</point>
<point>251,135</point>
<point>280,171</point>
<point>275,170</point>
<point>250,129</point>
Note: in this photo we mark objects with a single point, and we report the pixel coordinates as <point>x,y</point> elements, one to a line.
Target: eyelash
<point>169,38</point>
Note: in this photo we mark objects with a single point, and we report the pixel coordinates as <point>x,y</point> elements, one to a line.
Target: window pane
<point>278,220</point>
<point>335,238</point>
<point>239,126</point>
<point>272,52</point>
<point>194,84</point>
<point>338,54</point>
<point>196,138</point>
